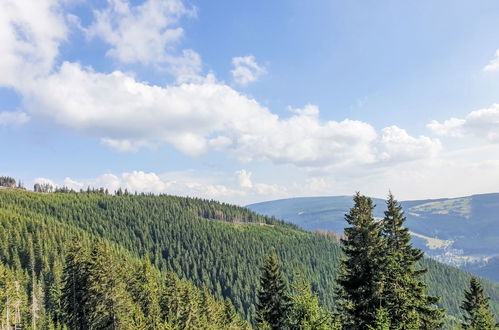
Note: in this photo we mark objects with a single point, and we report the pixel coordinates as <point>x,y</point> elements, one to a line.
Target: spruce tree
<point>273,300</point>
<point>476,308</point>
<point>109,304</point>
<point>360,272</point>
<point>305,312</point>
<point>75,287</point>
<point>145,291</point>
<point>404,293</point>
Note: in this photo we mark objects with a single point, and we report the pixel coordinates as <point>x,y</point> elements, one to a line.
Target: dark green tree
<point>360,281</point>
<point>476,308</point>
<point>404,293</point>
<point>273,299</point>
<point>108,303</point>
<point>75,287</point>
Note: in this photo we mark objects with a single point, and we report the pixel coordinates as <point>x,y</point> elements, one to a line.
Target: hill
<point>215,245</point>
<point>458,231</point>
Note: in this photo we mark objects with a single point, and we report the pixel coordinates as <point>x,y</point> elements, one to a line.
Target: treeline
<point>9,182</point>
<point>179,234</point>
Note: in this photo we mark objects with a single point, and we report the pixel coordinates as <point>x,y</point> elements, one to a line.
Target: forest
<point>92,260</point>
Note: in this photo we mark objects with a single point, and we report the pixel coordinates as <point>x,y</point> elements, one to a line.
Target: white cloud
<point>175,183</point>
<point>45,181</point>
<point>30,34</point>
<point>396,144</point>
<point>13,118</point>
<point>483,123</point>
<point>494,63</point>
<point>194,117</point>
<point>244,179</point>
<point>148,33</point>
<point>246,70</point>
<point>270,190</point>
<point>125,145</point>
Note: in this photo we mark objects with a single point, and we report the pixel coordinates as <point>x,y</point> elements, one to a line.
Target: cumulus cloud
<point>244,179</point>
<point>125,145</point>
<point>493,64</point>
<point>169,183</point>
<point>30,35</point>
<point>148,33</point>
<point>483,123</point>
<point>246,70</point>
<point>194,117</point>
<point>45,181</point>
<point>13,118</point>
<point>396,144</point>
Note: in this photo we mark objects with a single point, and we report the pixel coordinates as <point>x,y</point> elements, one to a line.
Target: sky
<point>247,101</point>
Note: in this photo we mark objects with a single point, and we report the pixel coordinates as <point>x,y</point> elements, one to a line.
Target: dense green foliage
<point>216,246</point>
<point>466,227</point>
<point>174,232</point>
<point>404,293</point>
<point>476,308</point>
<point>273,299</point>
<point>306,312</point>
<point>360,277</point>
<point>379,286</point>
<point>54,284</point>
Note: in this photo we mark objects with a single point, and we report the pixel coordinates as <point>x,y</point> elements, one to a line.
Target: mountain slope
<point>457,231</point>
<point>224,255</point>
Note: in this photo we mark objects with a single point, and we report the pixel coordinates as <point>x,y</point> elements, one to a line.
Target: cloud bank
<point>483,123</point>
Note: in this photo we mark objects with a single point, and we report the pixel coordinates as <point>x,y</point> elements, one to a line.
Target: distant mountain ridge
<point>461,231</point>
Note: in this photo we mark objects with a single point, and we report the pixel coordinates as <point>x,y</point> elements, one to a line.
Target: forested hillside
<point>214,245</point>
<point>462,231</point>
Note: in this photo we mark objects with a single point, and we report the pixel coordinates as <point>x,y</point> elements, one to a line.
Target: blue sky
<point>249,101</point>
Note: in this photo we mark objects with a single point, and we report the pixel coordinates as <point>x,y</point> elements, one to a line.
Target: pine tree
<point>381,320</point>
<point>145,290</point>
<point>476,307</point>
<point>108,303</point>
<point>75,287</point>
<point>404,293</point>
<point>360,273</point>
<point>305,312</point>
<point>273,299</point>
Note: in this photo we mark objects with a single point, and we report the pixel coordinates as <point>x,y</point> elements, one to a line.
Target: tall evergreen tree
<point>404,293</point>
<point>476,308</point>
<point>75,287</point>
<point>109,304</point>
<point>273,300</point>
<point>145,290</point>
<point>360,273</point>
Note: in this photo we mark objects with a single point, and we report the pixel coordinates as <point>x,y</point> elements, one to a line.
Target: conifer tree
<point>145,290</point>
<point>404,293</point>
<point>109,304</point>
<point>360,273</point>
<point>476,308</point>
<point>273,300</point>
<point>381,320</point>
<point>75,287</point>
<point>305,312</point>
